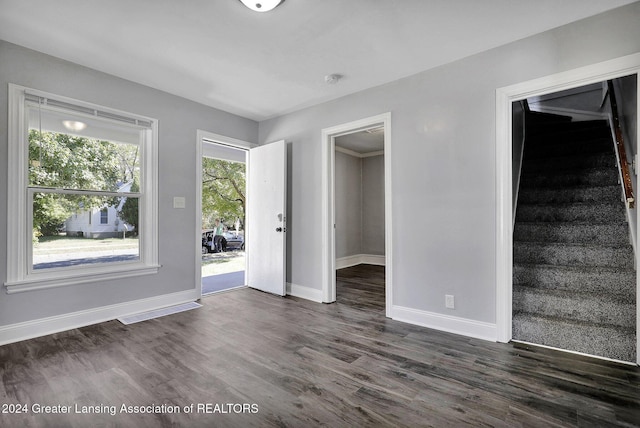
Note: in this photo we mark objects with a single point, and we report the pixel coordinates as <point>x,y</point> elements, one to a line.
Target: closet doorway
<point>357,205</point>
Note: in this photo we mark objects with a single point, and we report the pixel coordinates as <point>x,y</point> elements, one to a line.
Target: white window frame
<point>20,275</point>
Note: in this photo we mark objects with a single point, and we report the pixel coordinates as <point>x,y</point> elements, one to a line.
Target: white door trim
<point>328,202</point>
<point>202,138</point>
<point>504,98</point>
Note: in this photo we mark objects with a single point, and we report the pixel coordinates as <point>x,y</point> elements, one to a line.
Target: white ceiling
<point>363,142</point>
<point>261,65</point>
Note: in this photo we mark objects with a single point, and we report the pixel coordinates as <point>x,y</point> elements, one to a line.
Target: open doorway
<point>574,278</point>
<point>359,212</point>
<point>357,203</point>
<point>222,214</point>
<point>506,157</point>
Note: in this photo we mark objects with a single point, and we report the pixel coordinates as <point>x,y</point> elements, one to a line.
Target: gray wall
<point>359,205</point>
<point>373,205</point>
<point>348,205</point>
<point>178,121</point>
<point>442,161</point>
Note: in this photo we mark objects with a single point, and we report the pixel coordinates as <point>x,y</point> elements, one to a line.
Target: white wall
<point>178,121</point>
<point>443,162</point>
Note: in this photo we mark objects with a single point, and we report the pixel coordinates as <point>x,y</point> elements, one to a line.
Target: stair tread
<point>565,162</point>
<point>575,187</point>
<point>567,204</point>
<point>571,223</point>
<point>590,141</point>
<point>578,268</point>
<point>569,171</point>
<point>572,294</point>
<point>585,136</point>
<point>573,244</point>
<point>613,342</point>
<point>597,279</point>
<point>624,330</point>
<point>572,232</point>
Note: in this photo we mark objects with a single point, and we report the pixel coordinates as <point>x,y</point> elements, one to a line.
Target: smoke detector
<point>332,79</point>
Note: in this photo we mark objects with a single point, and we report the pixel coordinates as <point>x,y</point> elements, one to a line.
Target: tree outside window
<point>223,192</point>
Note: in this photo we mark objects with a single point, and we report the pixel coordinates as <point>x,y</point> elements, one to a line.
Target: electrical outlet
<point>449,301</point>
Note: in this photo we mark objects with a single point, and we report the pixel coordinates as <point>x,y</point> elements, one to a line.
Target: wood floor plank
<point>307,364</point>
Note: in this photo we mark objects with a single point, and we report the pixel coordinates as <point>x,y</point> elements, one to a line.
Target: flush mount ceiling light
<point>74,125</point>
<point>261,5</point>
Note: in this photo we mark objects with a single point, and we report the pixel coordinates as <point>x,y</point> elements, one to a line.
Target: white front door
<point>266,218</point>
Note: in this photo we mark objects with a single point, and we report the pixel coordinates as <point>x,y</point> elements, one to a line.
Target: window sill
<point>72,278</point>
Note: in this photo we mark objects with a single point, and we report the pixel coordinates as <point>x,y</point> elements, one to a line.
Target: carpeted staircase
<point>573,275</point>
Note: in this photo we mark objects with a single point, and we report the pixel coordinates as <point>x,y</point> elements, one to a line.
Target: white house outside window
<point>68,161</point>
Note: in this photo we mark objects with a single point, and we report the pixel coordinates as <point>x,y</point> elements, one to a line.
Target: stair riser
<point>534,150</point>
<point>574,213</point>
<point>589,194</point>
<point>573,255</point>
<point>587,177</point>
<point>599,234</point>
<point>621,283</point>
<point>584,308</point>
<point>607,342</point>
<point>563,130</point>
<point>568,163</point>
<point>563,134</point>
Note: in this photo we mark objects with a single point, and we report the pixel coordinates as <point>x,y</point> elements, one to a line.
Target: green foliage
<point>50,210</point>
<point>223,191</point>
<point>129,211</point>
<point>64,161</point>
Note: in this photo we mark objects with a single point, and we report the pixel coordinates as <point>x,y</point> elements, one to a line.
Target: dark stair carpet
<point>573,277</point>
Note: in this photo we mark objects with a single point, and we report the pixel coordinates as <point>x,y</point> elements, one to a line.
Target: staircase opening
<point>574,273</point>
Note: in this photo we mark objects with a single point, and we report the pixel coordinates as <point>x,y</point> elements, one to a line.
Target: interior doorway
<point>360,222</point>
<point>505,99</point>
<point>221,212</point>
<point>356,159</point>
<point>574,277</point>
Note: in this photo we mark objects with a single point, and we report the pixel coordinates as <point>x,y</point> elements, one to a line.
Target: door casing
<point>204,137</point>
<point>328,205</point>
<point>619,67</point>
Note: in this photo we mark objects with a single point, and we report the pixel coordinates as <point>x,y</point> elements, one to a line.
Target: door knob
<point>278,229</point>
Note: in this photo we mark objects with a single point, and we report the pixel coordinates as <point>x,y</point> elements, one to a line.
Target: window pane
<point>104,216</point>
<point>68,231</point>
<point>81,159</point>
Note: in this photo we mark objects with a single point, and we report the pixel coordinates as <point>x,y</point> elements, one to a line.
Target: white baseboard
<point>42,327</point>
<point>360,259</point>
<point>303,292</point>
<point>450,324</point>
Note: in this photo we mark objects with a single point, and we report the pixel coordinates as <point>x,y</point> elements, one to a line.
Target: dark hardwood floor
<point>304,364</point>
